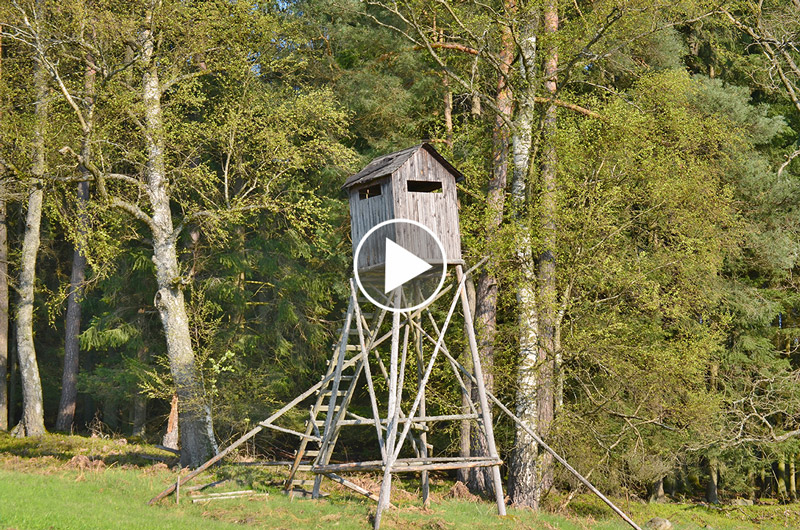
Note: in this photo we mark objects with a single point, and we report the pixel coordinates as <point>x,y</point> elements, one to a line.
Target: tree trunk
<point>13,376</point>
<point>657,491</point>
<point>780,477</point>
<point>69,379</point>
<point>522,483</point>
<point>3,289</point>
<point>194,417</point>
<point>547,260</point>
<point>713,481</point>
<point>4,404</point>
<point>792,477</point>
<point>486,292</point>
<point>111,413</point>
<point>32,423</point>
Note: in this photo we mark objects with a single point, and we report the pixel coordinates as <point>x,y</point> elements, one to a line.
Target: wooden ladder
<point>330,405</point>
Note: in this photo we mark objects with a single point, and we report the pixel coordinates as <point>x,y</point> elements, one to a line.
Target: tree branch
<point>116,202</point>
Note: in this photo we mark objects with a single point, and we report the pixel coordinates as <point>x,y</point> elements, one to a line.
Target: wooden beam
<point>290,431</point>
<point>344,482</point>
<point>255,430</point>
<point>409,467</point>
<point>549,449</point>
<point>488,429</point>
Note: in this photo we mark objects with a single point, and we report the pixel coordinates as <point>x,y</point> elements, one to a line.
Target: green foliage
<point>677,225</point>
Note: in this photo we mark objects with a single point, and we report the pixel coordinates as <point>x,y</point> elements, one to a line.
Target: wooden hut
<point>417,184</point>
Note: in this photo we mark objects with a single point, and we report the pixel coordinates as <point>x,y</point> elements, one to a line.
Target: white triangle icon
<point>401,266</point>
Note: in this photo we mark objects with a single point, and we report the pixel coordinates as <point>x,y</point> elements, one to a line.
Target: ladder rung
<point>352,347</point>
<point>304,467</point>
<point>311,453</point>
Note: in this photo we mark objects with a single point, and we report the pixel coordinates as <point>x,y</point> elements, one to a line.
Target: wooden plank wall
<point>364,214</point>
<point>437,211</point>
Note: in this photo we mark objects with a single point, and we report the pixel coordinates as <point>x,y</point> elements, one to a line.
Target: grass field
<point>43,486</point>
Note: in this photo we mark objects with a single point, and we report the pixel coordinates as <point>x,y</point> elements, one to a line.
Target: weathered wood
<point>409,467</point>
<point>368,372</point>
<point>549,449</point>
<point>337,377</point>
<point>269,463</point>
<point>428,370</point>
<point>290,431</point>
<point>467,391</point>
<point>228,495</point>
<point>485,411</point>
<point>366,213</point>
<point>225,493</point>
<point>355,487</point>
<point>315,409</point>
<point>393,413</point>
<point>255,430</point>
<point>418,201</point>
<point>424,479</point>
<point>437,211</point>
<point>417,420</point>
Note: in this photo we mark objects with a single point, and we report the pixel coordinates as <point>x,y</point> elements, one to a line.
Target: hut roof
<point>387,164</point>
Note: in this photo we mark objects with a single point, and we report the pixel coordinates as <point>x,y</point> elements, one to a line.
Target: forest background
<point>172,223</point>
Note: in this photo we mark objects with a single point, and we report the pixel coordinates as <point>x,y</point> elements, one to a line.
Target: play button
<point>400,265</point>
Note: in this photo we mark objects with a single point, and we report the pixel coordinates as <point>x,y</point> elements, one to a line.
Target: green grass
<point>41,489</point>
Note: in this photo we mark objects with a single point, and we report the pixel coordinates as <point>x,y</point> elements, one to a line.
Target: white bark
<point>194,418</point>
<point>32,423</point>
<point>3,293</point>
<point>522,474</point>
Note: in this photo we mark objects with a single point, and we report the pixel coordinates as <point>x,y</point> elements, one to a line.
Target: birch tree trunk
<point>32,423</point>
<point>522,484</point>
<point>487,285</point>
<point>548,314</point>
<point>69,379</point>
<point>194,418</point>
<point>3,290</point>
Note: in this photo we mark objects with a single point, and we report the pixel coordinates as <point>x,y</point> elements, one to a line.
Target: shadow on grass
<point>113,452</point>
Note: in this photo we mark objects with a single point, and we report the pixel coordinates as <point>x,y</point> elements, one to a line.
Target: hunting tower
<point>417,184</point>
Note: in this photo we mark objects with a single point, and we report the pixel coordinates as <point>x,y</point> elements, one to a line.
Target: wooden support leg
<point>324,451</point>
<point>393,414</point>
<point>485,412</point>
<point>365,349</point>
<point>426,501</point>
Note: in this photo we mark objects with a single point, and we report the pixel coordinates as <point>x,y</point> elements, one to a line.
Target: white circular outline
<point>358,251</point>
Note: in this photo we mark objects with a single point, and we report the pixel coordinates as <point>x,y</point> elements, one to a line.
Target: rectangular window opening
<point>424,186</point>
<point>369,191</point>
